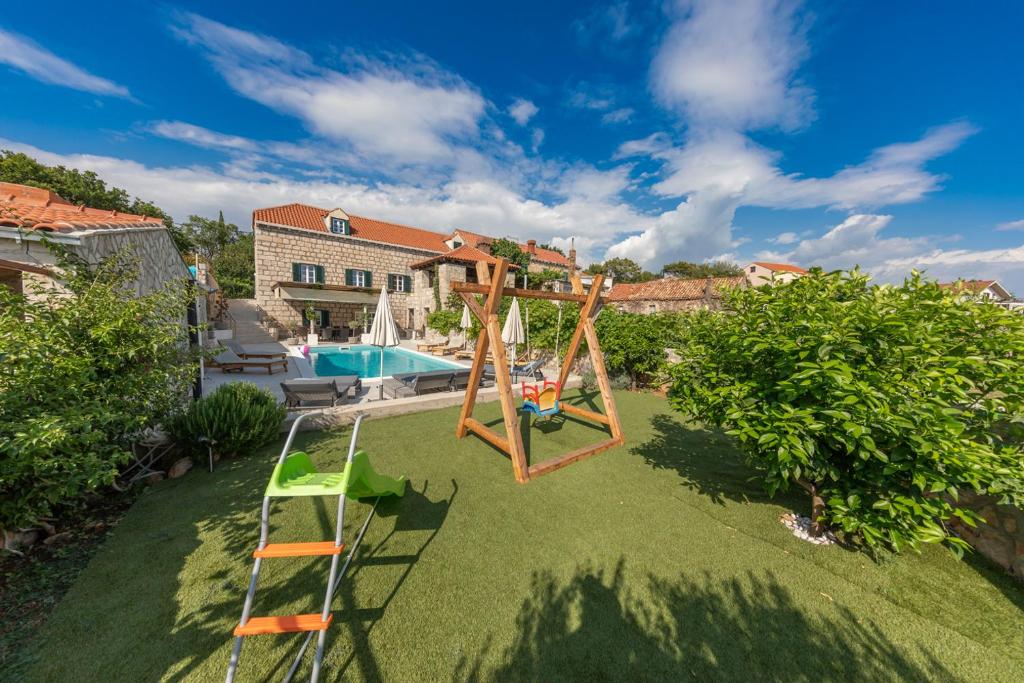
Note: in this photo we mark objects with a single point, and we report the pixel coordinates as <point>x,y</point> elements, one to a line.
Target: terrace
<point>658,560</point>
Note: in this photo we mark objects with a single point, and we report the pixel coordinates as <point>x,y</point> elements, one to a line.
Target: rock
<point>154,478</point>
<point>19,538</point>
<point>179,468</point>
<point>58,538</point>
<point>1010,524</point>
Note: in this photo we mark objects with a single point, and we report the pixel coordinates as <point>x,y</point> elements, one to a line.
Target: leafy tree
<point>539,279</point>
<point>688,269</point>
<point>235,270</point>
<point>83,371</point>
<point>635,344</point>
<point>551,247</point>
<point>511,251</point>
<point>210,236</point>
<point>882,402</point>
<point>621,270</point>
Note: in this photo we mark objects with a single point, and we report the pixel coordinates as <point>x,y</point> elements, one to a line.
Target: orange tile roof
<point>972,286</point>
<point>308,217</point>
<point>672,289</point>
<point>784,267</point>
<point>462,254</point>
<point>22,206</point>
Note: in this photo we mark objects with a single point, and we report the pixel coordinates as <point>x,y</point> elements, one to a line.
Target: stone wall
<point>278,248</point>
<point>1001,537</point>
<point>658,306</point>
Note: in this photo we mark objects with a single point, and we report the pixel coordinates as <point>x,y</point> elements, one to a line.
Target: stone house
<point>337,263</point>
<point>27,214</point>
<point>672,294</point>
<point>987,290</point>
<point>762,272</point>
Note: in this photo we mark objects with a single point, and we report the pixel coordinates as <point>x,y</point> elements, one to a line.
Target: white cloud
<point>36,61</point>
<point>1011,225</point>
<point>408,109</point>
<point>536,138</point>
<point>522,110</point>
<point>612,23</point>
<point>587,97</point>
<point>618,115</point>
<point>786,238</point>
<point>733,64</point>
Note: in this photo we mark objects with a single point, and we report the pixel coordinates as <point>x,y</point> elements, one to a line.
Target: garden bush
<point>635,344</point>
<point>237,417</point>
<point>82,372</point>
<point>882,402</point>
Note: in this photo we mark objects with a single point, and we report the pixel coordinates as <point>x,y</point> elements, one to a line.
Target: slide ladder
<point>295,475</point>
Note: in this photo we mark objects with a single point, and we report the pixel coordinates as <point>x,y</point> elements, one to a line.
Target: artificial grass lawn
<point>655,561</point>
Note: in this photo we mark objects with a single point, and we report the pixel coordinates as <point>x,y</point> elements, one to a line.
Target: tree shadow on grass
<point>706,461</point>
<point>596,627</point>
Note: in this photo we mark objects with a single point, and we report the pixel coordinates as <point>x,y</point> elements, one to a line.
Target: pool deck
<point>366,402</point>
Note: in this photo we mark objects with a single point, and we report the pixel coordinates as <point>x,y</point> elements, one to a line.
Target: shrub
<point>882,402</point>
<point>83,371</point>
<point>237,417</point>
<point>634,344</point>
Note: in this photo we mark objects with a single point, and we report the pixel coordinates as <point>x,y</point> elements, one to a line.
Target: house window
<point>340,226</point>
<point>753,268</point>
<point>358,278</point>
<point>308,272</point>
<point>456,244</point>
<point>471,275</point>
<point>321,317</point>
<point>399,283</point>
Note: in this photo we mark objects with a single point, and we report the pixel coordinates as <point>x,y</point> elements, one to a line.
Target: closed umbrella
<point>383,332</point>
<point>465,324</point>
<point>513,333</point>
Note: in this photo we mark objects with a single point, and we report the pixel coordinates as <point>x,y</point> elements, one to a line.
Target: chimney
<point>572,256</point>
<point>531,247</point>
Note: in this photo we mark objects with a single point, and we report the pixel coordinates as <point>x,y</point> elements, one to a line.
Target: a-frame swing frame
<point>493,286</point>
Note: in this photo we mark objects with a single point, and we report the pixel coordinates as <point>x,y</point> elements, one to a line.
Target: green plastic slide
<point>297,476</point>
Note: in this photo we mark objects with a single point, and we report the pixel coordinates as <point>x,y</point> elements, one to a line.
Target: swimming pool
<point>364,360</point>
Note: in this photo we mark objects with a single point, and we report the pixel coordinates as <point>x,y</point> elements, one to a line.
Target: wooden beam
<point>584,413</point>
<point>601,373</point>
<point>569,458</point>
<point>474,307</point>
<point>470,288</point>
<point>480,353</point>
<point>508,407</point>
<point>487,434</point>
<point>585,312</point>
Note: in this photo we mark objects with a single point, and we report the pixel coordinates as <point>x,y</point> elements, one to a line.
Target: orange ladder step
<point>299,549</point>
<point>290,623</point>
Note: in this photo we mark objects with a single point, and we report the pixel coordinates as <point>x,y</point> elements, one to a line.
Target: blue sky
<point>873,133</point>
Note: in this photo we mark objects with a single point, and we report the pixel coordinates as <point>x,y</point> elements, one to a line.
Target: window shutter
<point>320,274</point>
<point>392,285</point>
<point>296,272</point>
<point>369,278</point>
<point>346,227</point>
<point>350,277</point>
<point>408,283</point>
<point>325,317</point>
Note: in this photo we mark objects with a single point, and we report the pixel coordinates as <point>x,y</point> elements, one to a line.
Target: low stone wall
<point>1001,537</point>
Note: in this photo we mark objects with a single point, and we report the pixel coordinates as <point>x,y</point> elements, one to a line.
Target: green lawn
<point>655,561</point>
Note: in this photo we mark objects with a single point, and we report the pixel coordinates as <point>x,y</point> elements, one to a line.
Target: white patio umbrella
<point>383,332</point>
<point>513,333</point>
<point>465,324</point>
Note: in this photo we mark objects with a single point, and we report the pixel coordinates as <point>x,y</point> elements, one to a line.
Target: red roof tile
<point>33,208</point>
<point>462,254</point>
<point>783,267</point>
<point>672,289</point>
<point>543,255</point>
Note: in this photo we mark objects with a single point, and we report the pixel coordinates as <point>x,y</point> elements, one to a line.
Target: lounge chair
<point>447,350</point>
<point>533,368</point>
<point>430,346</point>
<point>469,354</point>
<point>419,383</point>
<point>229,361</point>
<point>460,381</point>
<point>246,353</point>
<point>318,391</point>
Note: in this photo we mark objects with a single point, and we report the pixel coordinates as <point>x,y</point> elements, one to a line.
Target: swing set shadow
<point>513,444</point>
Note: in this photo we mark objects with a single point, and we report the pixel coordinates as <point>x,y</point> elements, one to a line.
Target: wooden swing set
<point>491,284</point>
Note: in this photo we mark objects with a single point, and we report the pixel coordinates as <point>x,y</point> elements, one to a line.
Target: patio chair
<point>428,347</point>
<point>419,383</point>
<point>317,391</point>
<point>531,369</point>
<point>229,361</point>
<point>447,350</point>
<point>246,353</point>
<point>460,381</point>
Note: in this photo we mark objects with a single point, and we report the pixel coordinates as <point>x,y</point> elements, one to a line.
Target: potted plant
<point>312,339</point>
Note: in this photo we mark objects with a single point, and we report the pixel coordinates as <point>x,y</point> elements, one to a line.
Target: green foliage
<point>237,417</point>
<point>83,371</point>
<point>235,270</point>
<point>210,236</point>
<point>687,269</point>
<point>621,270</point>
<point>883,401</point>
<point>538,280</point>
<point>444,320</point>
<point>634,344</point>
<point>551,247</point>
<point>510,251</point>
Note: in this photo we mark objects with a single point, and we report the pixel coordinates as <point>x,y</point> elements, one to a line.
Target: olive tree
<point>882,402</point>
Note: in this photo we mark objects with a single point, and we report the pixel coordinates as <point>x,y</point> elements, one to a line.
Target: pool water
<point>364,360</point>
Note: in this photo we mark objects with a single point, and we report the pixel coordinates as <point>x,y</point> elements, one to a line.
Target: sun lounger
<point>427,347</point>
<point>245,353</point>
<point>460,382</point>
<point>418,383</point>
<point>229,361</point>
<point>533,368</point>
<point>318,391</point>
<point>446,350</point>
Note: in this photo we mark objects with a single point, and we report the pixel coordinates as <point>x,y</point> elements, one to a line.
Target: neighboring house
<point>672,294</point>
<point>988,290</point>
<point>762,272</point>
<point>29,213</point>
<point>337,263</point>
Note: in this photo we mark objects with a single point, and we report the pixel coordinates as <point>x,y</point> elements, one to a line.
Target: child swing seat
<point>542,401</point>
